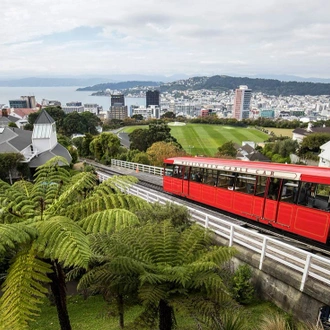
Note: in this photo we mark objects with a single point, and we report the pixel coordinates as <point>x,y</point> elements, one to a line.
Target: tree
<point>46,224</point>
<point>168,114</point>
<point>72,124</point>
<point>82,144</point>
<point>90,121</point>
<point>12,124</point>
<point>227,150</point>
<point>104,147</point>
<point>142,139</point>
<point>162,150</point>
<point>311,144</point>
<point>139,139</point>
<point>137,117</point>
<point>168,264</point>
<point>9,162</point>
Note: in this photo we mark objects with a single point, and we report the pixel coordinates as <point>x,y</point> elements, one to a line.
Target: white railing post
<point>263,252</point>
<point>231,238</point>
<point>305,274</point>
<point>207,221</point>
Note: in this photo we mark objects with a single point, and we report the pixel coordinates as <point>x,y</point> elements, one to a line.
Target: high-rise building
<point>152,98</point>
<point>118,112</point>
<point>24,102</point>
<point>117,99</point>
<point>242,100</point>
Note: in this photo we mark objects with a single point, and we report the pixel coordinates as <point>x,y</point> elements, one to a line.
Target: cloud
<point>192,37</point>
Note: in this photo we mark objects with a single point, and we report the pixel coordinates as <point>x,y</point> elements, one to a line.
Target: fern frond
<point>152,294</point>
<point>3,186</point>
<point>13,234</point>
<point>81,181</point>
<point>25,186</point>
<point>56,161</point>
<point>108,221</point>
<point>93,204</point>
<point>23,290</point>
<point>16,205</point>
<point>62,239</point>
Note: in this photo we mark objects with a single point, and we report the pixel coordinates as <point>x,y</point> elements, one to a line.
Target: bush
<point>242,288</point>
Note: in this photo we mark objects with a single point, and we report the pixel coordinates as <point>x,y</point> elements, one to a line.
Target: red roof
<point>23,112</point>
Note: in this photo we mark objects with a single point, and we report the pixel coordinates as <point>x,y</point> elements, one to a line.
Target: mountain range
<point>181,82</point>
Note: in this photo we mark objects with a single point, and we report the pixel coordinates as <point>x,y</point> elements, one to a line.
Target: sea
<point>62,94</point>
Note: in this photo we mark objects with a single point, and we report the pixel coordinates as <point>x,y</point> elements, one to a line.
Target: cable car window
<point>169,170</point>
<point>289,191</point>
<point>196,174</point>
<point>210,177</point>
<point>319,196</point>
<point>246,183</point>
<point>178,171</point>
<point>261,186</point>
<point>226,180</point>
<point>306,194</point>
<point>273,188</point>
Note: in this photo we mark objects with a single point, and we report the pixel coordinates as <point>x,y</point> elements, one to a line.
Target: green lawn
<point>203,139</point>
<point>94,314</point>
<point>280,131</point>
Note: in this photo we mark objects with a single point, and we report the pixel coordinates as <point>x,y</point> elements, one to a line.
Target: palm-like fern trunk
<point>120,304</point>
<point>58,288</point>
<point>165,315</point>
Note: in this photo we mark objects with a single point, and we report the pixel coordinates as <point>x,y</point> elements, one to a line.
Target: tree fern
<point>56,212</point>
<point>150,252</point>
<point>23,289</point>
<point>108,221</point>
<point>13,234</point>
<point>62,239</point>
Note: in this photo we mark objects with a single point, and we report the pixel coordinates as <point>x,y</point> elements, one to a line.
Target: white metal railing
<point>138,167</point>
<point>305,263</point>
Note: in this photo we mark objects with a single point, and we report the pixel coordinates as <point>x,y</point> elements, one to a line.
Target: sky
<point>195,37</point>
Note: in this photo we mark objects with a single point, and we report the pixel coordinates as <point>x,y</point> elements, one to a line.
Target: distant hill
<point>49,82</point>
<point>120,85</point>
<point>267,86</point>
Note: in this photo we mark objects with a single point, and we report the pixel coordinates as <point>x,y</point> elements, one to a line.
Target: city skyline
<point>45,38</point>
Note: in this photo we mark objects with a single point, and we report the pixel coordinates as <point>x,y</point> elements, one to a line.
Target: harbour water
<point>62,94</point>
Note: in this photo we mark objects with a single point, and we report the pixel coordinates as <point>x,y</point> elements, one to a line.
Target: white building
<point>38,146</point>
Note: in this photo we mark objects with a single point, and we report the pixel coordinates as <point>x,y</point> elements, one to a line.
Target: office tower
<point>242,103</point>
<point>118,112</point>
<point>152,98</point>
<point>117,99</point>
<point>23,102</point>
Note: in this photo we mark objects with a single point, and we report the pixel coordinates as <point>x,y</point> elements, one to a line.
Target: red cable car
<point>294,198</point>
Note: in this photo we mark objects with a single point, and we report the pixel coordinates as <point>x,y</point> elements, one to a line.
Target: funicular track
<point>299,242</point>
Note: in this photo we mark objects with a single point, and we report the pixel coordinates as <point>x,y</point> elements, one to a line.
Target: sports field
<point>203,139</point>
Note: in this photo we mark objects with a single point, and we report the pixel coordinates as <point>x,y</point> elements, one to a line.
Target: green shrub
<point>242,288</point>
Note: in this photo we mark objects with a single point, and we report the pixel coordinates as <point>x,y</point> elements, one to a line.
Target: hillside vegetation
<point>267,86</point>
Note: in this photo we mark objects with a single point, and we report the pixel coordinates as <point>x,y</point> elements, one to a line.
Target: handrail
<point>308,264</point>
<point>155,170</point>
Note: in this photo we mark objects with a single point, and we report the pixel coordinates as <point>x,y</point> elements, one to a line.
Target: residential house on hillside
<point>324,156</point>
<point>5,120</point>
<point>299,133</point>
<point>37,146</point>
<point>248,153</point>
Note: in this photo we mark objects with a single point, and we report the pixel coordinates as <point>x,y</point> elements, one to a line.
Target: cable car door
<point>271,200</point>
